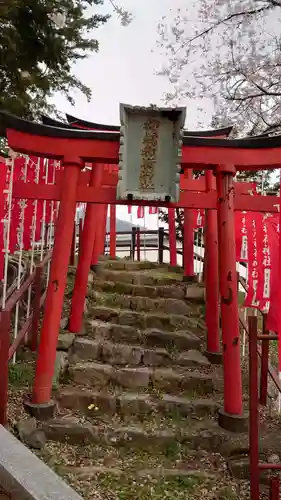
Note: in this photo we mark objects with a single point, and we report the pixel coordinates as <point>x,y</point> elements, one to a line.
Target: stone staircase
<point>140,398</point>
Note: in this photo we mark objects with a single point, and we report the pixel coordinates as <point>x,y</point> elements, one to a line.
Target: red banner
<point>3,195</point>
<point>198,218</point>
<point>153,210</point>
<point>254,227</point>
<point>273,317</point>
<point>140,212</point>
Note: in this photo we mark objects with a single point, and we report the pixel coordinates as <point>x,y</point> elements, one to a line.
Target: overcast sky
<point>124,71</point>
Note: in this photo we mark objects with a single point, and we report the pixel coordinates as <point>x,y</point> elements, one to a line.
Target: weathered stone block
<point>104,313</point>
<point>156,357</point>
<point>65,341</point>
<point>30,434</point>
<point>121,354</point>
<point>136,404</point>
<point>87,401</point>
<point>167,379</point>
<point>87,349</point>
<point>174,340</point>
<point>192,358</point>
<point>70,430</point>
<point>133,378</point>
<point>91,374</point>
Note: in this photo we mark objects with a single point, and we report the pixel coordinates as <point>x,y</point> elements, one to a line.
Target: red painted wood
<point>93,151</point>
<point>188,236</point>
<point>101,216</point>
<point>200,184</point>
<point>108,195</point>
<point>85,255</point>
<point>104,151</point>
<point>264,365</point>
<point>211,268</point>
<point>53,308</point>
<point>172,236</point>
<point>229,296</point>
<point>254,408</point>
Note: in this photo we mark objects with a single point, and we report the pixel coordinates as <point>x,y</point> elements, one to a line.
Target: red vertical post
<point>229,299</point>
<point>58,274</point>
<point>172,236</point>
<point>188,239</point>
<point>264,366</point>
<point>36,308</point>
<point>274,488</point>
<point>211,275</point>
<point>279,289</point>
<point>254,408</point>
<point>113,231</point>
<point>85,256</point>
<point>5,325</point>
<point>100,233</point>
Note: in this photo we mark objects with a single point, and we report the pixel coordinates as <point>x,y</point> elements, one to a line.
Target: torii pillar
<point>231,416</point>
<point>212,280</point>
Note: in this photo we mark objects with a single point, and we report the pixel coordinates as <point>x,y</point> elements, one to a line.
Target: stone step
<point>129,265</point>
<point>135,265</point>
<point>113,353</point>
<point>149,278</point>
<point>100,375</point>
<point>91,404</point>
<point>181,291</point>
<point>152,337</point>
<point>145,304</point>
<point>140,320</point>
<point>205,435</point>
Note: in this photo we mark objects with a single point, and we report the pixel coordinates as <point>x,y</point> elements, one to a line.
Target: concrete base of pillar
<point>41,412</point>
<point>233,423</point>
<point>215,358</point>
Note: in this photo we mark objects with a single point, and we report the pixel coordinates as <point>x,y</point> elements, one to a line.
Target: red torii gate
<point>73,148</point>
<point>187,183</point>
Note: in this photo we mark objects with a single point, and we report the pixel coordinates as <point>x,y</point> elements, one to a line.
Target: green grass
<point>21,374</point>
<point>129,488</point>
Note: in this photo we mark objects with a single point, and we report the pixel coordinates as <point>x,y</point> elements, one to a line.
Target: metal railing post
<point>161,245</point>
<point>133,243</point>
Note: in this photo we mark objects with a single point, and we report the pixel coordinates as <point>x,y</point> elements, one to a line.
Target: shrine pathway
<point>138,399</point>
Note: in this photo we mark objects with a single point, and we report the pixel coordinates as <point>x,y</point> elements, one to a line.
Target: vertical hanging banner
<point>28,216</point>
<point>273,316</point>
<point>40,203</point>
<point>264,285</point>
<point>140,212</point>
<point>3,201</point>
<point>198,218</point>
<point>18,174</point>
<point>254,225</point>
<point>153,210</point>
<point>241,237</point>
